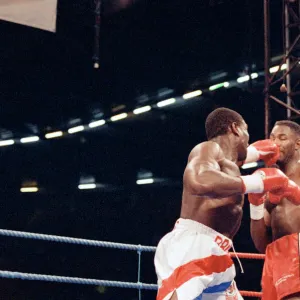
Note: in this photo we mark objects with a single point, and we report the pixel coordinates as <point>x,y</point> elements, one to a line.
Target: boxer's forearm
<point>259,234</point>
<point>215,184</point>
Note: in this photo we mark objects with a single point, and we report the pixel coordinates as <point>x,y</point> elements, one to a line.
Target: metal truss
<point>289,65</point>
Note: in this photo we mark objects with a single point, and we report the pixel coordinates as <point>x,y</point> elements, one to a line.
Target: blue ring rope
<point>71,240</point>
<point>76,280</point>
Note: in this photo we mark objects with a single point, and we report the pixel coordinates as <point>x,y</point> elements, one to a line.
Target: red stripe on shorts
<point>194,268</point>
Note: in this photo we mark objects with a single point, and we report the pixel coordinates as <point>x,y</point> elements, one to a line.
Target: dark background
<point>48,79</point>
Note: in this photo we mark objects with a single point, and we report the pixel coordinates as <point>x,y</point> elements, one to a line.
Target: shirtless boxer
<point>281,277</point>
<point>192,261</point>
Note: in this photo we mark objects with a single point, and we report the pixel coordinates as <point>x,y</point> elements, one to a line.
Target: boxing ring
<point>104,244</point>
<point>139,249</point>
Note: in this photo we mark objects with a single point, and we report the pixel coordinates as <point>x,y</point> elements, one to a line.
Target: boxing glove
<point>291,192</point>
<point>265,150</point>
<point>265,180</point>
<point>257,205</point>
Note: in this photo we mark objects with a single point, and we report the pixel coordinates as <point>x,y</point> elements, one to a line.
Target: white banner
<point>35,13</point>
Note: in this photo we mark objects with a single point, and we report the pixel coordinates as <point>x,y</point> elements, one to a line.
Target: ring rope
<point>251,294</point>
<point>70,240</point>
<point>247,255</point>
<point>78,280</point>
<point>95,243</point>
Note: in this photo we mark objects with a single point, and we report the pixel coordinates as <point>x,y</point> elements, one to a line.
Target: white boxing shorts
<point>193,260</point>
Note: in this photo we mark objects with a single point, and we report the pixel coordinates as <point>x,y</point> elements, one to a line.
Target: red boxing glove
<point>273,178</point>
<point>291,192</point>
<point>257,199</point>
<point>265,180</point>
<point>265,150</point>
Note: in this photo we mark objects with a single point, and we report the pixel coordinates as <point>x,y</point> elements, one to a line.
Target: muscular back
<point>223,214</point>
<point>285,217</point>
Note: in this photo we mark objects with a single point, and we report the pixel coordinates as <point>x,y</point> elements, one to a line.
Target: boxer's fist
<point>273,179</point>
<point>264,180</point>
<point>291,192</point>
<point>257,199</point>
<point>265,150</point>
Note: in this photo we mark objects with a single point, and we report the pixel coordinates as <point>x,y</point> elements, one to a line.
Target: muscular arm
<point>203,175</point>
<point>259,232</point>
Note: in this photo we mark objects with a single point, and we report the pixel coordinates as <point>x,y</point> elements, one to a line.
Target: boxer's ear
<point>234,128</point>
<point>297,144</point>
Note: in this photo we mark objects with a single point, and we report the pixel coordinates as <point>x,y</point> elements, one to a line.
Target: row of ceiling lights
<point>85,186</point>
<point>136,111</point>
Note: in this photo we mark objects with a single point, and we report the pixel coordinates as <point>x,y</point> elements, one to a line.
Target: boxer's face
<point>286,139</point>
<point>243,141</point>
